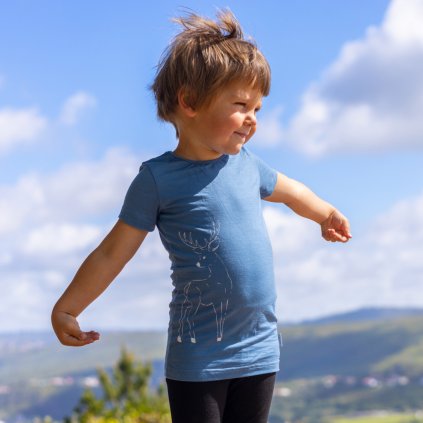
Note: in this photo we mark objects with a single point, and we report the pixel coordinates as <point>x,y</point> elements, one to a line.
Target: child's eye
<point>239,103</point>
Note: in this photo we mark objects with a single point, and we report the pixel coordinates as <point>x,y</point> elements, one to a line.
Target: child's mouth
<point>241,135</point>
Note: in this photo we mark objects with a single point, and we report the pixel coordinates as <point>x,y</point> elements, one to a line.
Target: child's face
<point>227,123</point>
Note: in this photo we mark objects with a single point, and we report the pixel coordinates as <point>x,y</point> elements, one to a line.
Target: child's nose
<point>251,118</point>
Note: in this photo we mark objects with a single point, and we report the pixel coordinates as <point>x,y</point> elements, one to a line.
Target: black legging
<point>241,400</point>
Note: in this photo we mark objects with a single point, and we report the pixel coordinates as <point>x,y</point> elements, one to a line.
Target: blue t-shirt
<point>209,216</point>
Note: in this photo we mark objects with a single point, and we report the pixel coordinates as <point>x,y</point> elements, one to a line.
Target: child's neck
<point>189,151</point>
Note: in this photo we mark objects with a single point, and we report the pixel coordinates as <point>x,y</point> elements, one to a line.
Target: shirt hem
<point>221,374</point>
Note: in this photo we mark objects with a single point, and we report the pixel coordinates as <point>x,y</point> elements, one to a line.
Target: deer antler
<point>188,241</point>
<point>215,233</point>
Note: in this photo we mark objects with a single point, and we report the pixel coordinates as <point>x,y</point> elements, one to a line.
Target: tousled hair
<point>204,57</point>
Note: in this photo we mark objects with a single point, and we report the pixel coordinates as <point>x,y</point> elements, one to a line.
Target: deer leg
<point>219,322</point>
<point>181,321</point>
<point>184,306</point>
<point>191,325</point>
<point>196,303</point>
<point>223,309</point>
<point>195,298</point>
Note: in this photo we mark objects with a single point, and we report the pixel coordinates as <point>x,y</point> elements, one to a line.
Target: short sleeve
<point>268,176</point>
<point>141,205</point>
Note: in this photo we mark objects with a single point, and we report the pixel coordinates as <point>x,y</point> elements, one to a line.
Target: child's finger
<point>72,328</point>
<point>71,341</point>
<point>83,338</point>
<point>333,235</point>
<point>88,336</point>
<point>329,234</point>
<point>77,336</point>
<point>93,335</point>
<point>345,228</point>
<point>342,237</point>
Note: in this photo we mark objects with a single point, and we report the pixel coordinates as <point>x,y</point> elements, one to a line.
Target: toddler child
<point>205,200</point>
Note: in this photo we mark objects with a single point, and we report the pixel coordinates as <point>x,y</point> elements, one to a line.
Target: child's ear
<point>185,103</point>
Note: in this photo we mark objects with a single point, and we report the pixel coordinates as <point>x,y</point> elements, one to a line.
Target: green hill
<point>357,348</point>
<point>350,368</point>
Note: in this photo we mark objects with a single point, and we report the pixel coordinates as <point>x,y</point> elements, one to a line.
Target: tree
<point>126,397</point>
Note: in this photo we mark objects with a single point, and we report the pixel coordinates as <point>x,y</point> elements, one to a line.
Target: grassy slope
<point>353,348</point>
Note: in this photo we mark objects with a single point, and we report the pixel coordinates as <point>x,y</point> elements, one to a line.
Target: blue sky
<point>77,119</point>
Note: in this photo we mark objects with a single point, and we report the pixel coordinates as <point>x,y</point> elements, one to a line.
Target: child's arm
<point>93,277</point>
<point>335,226</point>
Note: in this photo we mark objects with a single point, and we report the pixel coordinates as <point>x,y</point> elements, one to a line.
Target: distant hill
<point>361,347</point>
<point>366,314</point>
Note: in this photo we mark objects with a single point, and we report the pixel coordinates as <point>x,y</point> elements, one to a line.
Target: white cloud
<point>46,234</point>
<point>54,239</point>
<point>24,126</point>
<point>371,97</point>
<point>75,106</point>
<point>19,126</point>
<point>290,234</point>
<point>382,267</point>
<point>80,189</point>
<point>28,297</point>
<point>403,21</point>
<point>270,130</point>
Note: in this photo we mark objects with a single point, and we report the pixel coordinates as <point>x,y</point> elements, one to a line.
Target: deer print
<point>212,289</point>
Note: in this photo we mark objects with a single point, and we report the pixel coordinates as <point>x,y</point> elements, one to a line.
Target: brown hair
<point>205,56</point>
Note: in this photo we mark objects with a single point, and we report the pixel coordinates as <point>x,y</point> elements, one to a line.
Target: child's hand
<point>67,330</point>
<point>336,228</point>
